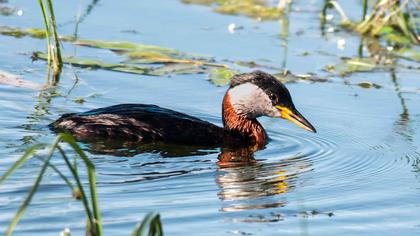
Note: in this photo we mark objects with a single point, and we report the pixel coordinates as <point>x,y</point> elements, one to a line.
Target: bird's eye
<point>272,97</point>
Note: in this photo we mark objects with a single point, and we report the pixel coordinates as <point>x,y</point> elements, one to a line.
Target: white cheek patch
<point>249,100</point>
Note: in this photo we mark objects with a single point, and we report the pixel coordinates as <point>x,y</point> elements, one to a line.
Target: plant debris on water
<point>351,65</point>
<point>127,68</point>
<point>18,32</point>
<point>257,9</point>
<point>391,21</point>
<point>157,61</point>
<point>221,76</point>
<point>388,19</point>
<point>154,60</point>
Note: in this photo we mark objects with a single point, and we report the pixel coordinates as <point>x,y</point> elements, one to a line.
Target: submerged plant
<point>151,225</point>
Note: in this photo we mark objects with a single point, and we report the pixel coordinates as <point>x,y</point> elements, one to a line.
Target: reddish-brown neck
<point>239,124</point>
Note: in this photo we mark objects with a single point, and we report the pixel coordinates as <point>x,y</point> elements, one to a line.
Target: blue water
<point>359,175</point>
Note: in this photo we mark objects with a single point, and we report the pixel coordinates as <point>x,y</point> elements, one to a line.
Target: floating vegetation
<point>408,53</point>
<point>95,64</point>
<point>172,61</point>
<point>389,19</point>
<point>151,225</point>
<point>256,9</point>
<point>139,57</point>
<point>367,84</point>
<point>126,46</point>
<point>150,54</point>
<point>169,69</point>
<point>221,76</point>
<point>19,33</point>
<point>30,32</point>
<point>350,65</point>
<point>79,100</point>
<point>123,67</point>
<point>154,60</point>
<point>380,58</point>
<point>287,77</point>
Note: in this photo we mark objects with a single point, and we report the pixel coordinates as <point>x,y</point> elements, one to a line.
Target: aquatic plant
<point>388,20</point>
<point>257,9</point>
<point>147,59</point>
<point>151,225</point>
<point>392,20</point>
<point>53,43</point>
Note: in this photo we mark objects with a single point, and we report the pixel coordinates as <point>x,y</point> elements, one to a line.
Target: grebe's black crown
<point>276,91</point>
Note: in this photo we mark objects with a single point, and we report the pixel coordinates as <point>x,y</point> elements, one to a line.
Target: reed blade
<point>150,226</point>
<point>34,188</point>
<point>92,180</point>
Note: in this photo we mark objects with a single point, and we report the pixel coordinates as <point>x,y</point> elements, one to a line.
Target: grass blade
<point>150,222</point>
<point>364,3</point>
<point>92,180</point>
<point>28,199</point>
<point>47,30</point>
<point>59,61</point>
<point>79,185</point>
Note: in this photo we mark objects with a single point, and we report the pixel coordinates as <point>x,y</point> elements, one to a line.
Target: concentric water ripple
<point>348,157</point>
<point>294,162</point>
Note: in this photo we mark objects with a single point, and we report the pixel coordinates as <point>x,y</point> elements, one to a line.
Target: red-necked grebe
<point>249,96</point>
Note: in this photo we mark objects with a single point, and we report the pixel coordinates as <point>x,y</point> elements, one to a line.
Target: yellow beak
<point>296,118</point>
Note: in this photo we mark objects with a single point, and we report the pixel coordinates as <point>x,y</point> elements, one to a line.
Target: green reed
<point>53,42</point>
<point>389,19</point>
<point>151,225</point>
<point>364,9</point>
<point>392,19</point>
